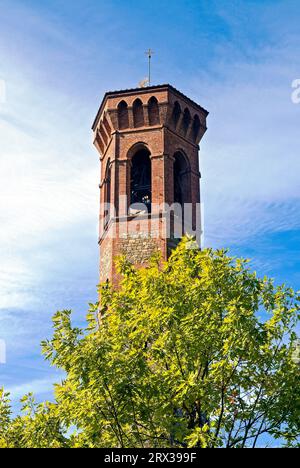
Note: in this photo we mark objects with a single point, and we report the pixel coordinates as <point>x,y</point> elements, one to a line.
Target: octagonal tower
<point>148,141</point>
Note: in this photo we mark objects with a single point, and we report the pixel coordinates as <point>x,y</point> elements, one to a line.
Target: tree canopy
<point>194,352</point>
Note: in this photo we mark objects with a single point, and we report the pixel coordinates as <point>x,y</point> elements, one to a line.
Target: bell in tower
<point>141,179</point>
<point>148,141</point>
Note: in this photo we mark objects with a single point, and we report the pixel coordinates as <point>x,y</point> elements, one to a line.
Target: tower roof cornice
<point>146,90</point>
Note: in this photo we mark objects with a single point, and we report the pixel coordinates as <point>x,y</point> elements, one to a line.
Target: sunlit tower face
<point>148,141</point>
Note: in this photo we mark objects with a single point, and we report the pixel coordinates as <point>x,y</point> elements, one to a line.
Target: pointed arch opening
<point>196,128</point>
<point>182,180</point>
<point>107,195</point>
<point>123,119</point>
<point>153,111</point>
<point>138,113</point>
<point>140,184</point>
<point>176,114</point>
<point>182,194</point>
<point>186,120</point>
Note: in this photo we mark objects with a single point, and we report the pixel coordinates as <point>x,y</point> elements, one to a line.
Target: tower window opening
<point>176,114</point>
<point>182,193</point>
<point>138,113</point>
<point>123,119</point>
<point>181,179</point>
<point>186,121</point>
<point>196,128</point>
<point>153,111</point>
<point>107,195</point>
<point>140,189</point>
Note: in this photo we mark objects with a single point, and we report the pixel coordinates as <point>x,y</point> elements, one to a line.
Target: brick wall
<point>162,137</point>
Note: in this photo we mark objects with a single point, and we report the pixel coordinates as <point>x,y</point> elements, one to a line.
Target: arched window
<point>140,188</point>
<point>107,195</point>
<point>182,187</point>
<point>138,113</point>
<point>196,128</point>
<point>176,114</point>
<point>153,111</point>
<point>186,121</point>
<point>123,120</point>
<point>182,194</point>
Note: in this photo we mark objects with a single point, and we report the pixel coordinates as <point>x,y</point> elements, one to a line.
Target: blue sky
<point>57,59</point>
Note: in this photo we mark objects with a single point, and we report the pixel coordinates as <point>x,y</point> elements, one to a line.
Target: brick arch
<point>136,147</point>
<point>185,157</point>
<point>176,113</point>
<point>123,117</point>
<point>107,178</point>
<point>138,113</point>
<point>196,127</point>
<point>153,111</point>
<point>107,194</point>
<point>182,177</point>
<point>186,120</point>
<point>141,177</point>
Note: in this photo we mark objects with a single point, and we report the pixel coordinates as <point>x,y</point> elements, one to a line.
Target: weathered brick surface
<point>163,137</point>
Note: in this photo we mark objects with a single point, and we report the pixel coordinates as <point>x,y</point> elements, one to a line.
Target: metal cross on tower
<point>149,53</point>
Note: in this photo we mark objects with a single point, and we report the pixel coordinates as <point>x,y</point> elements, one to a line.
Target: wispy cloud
<point>38,387</point>
<point>250,155</point>
<point>237,61</point>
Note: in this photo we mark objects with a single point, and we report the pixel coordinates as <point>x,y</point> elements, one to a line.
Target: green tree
<point>196,352</point>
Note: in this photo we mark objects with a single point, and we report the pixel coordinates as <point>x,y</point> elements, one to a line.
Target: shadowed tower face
<point>148,141</point>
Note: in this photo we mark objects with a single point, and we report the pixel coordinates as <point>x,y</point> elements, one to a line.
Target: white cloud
<point>37,387</point>
<point>48,181</point>
<point>49,170</point>
<point>250,154</point>
<point>13,273</point>
<point>2,92</point>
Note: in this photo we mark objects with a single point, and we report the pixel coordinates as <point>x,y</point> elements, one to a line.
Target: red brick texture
<point>128,121</point>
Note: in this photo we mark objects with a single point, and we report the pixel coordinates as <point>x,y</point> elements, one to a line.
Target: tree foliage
<point>196,352</point>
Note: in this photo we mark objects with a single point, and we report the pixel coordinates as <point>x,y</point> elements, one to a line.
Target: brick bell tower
<point>148,141</point>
